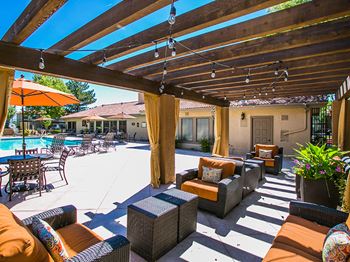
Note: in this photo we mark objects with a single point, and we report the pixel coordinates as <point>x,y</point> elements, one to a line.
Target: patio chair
<point>56,147</point>
<point>23,171</point>
<point>3,173</point>
<point>132,137</point>
<point>274,163</point>
<point>106,143</point>
<point>57,166</point>
<point>218,198</point>
<point>86,145</point>
<point>80,242</point>
<point>28,151</point>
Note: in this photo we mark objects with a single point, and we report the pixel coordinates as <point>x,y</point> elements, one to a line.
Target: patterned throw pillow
<point>265,153</point>
<point>212,175</point>
<point>50,239</point>
<point>336,246</point>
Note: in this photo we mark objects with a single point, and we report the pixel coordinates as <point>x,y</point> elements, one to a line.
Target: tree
<point>11,111</point>
<point>287,4</point>
<point>47,123</point>
<point>49,111</point>
<point>81,91</point>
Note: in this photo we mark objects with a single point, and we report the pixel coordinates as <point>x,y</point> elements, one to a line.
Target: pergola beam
<point>113,19</point>
<point>276,22</point>
<point>33,16</point>
<point>205,16</point>
<point>27,59</point>
<point>344,90</point>
<point>334,30</point>
<point>292,54</point>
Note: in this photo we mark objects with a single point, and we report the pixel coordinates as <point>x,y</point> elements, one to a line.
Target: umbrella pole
<point>23,138</point>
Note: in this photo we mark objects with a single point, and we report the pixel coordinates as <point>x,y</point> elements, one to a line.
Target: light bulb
<point>273,89</point>
<point>42,63</point>
<point>259,93</point>
<point>182,92</point>
<point>156,53</point>
<point>286,78</point>
<point>276,72</point>
<point>244,96</point>
<point>173,53</point>
<point>171,43</point>
<point>247,80</point>
<point>254,96</point>
<point>160,90</point>
<point>266,94</point>
<point>164,70</point>
<point>203,96</point>
<point>286,72</point>
<point>225,98</point>
<point>213,74</point>
<point>172,15</point>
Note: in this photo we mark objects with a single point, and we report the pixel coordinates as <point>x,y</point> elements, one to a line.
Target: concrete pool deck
<point>101,186</point>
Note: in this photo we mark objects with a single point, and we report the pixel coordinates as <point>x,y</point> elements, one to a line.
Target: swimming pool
<point>33,142</point>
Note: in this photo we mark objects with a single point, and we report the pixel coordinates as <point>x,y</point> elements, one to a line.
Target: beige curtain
<point>221,145</point>
<point>152,103</point>
<point>177,112</point>
<point>341,125</point>
<point>6,81</point>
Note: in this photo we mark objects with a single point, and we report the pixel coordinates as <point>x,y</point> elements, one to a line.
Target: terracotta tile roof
<point>136,108</point>
<point>130,108</point>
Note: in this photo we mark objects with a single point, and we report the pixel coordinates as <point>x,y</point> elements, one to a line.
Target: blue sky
<point>76,13</point>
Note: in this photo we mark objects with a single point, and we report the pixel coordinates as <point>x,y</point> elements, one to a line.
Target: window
<point>202,128</point>
<point>186,129</point>
<point>143,124</point>
<point>84,123</point>
<point>105,126</point>
<point>99,127</point>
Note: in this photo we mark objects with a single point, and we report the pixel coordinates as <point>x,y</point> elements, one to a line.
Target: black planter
<point>315,191</point>
<point>297,186</point>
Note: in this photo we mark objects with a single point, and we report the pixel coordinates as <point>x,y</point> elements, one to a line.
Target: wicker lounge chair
<point>87,247</point>
<point>57,166</point>
<point>23,171</point>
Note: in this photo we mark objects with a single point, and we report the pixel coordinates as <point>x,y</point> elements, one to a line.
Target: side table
<point>188,205</point>
<point>152,226</point>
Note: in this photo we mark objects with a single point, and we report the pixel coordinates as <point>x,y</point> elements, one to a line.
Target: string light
<point>104,60</point>
<point>162,87</point>
<point>247,80</point>
<point>259,93</point>
<point>172,15</point>
<point>273,89</point>
<point>254,96</point>
<point>173,52</point>
<point>213,74</point>
<point>182,92</point>
<point>203,96</point>
<point>165,70</point>
<point>225,98</point>
<point>265,93</point>
<point>286,74</point>
<point>41,61</point>
<point>156,52</point>
<point>171,43</point>
<point>244,96</point>
<point>276,72</point>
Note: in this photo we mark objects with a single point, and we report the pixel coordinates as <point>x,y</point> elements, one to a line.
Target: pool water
<point>32,142</point>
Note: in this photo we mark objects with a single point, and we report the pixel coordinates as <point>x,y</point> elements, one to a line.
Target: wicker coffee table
<point>187,212</point>
<point>261,164</point>
<point>152,226</point>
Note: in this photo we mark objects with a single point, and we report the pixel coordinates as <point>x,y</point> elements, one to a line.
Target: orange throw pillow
<point>17,243</point>
<point>228,167</point>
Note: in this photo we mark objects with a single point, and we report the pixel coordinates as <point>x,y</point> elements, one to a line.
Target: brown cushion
<point>282,252</point>
<point>228,167</point>
<point>273,148</point>
<point>201,188</point>
<point>17,243</point>
<point>268,161</point>
<point>302,234</point>
<point>77,237</point>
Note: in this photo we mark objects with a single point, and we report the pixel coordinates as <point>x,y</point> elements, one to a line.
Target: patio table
<point>4,160</point>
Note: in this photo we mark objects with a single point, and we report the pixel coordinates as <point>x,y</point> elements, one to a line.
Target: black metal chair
<point>23,171</point>
<point>56,146</point>
<point>86,145</point>
<point>2,174</point>
<point>57,166</point>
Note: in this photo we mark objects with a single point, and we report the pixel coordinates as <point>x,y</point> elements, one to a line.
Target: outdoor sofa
<point>274,164</point>
<point>303,233</point>
<point>19,244</point>
<point>218,198</point>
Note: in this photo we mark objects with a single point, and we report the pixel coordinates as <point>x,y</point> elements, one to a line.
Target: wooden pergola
<point>311,41</point>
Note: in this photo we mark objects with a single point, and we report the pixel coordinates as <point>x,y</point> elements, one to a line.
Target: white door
<point>262,130</point>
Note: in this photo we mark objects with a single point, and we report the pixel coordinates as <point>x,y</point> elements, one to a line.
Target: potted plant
<point>322,179</point>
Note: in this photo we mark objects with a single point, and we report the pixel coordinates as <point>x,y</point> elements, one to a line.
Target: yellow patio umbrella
<point>28,93</point>
<point>94,118</point>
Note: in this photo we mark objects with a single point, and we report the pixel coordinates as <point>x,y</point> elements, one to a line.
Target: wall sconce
<point>242,116</point>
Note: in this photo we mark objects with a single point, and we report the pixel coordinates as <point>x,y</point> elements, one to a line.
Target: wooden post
<point>167,139</point>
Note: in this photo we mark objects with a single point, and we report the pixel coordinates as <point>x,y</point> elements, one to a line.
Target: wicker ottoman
<point>152,226</point>
<point>261,164</point>
<point>188,204</point>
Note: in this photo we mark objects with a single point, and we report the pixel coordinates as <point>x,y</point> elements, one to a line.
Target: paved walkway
<point>102,185</point>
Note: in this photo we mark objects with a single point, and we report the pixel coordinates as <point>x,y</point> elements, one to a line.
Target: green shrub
<point>26,132</point>
<point>56,131</point>
<point>205,145</point>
